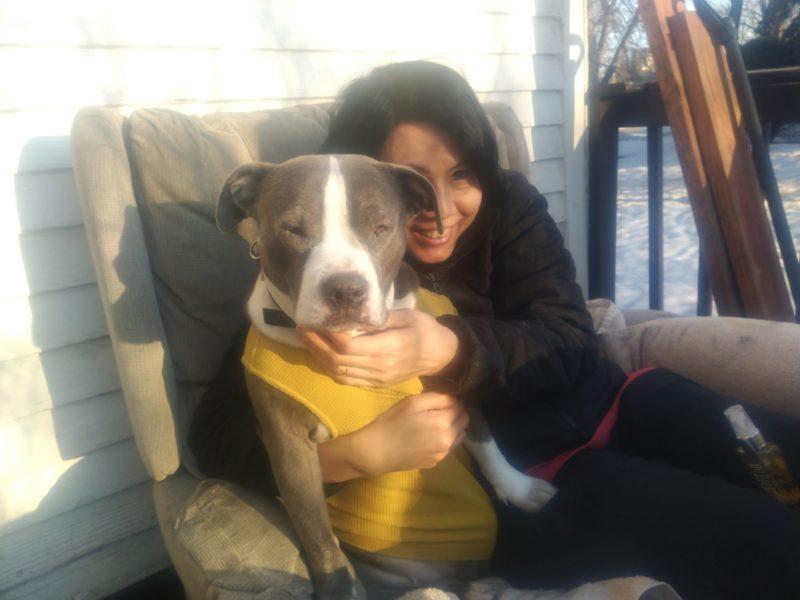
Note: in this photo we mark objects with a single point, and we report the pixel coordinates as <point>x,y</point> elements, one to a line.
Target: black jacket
<point>527,346</point>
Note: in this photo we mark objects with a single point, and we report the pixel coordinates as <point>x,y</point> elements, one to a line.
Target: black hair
<point>370,107</point>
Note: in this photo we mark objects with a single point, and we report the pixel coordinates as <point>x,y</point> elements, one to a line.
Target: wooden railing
<point>612,106</point>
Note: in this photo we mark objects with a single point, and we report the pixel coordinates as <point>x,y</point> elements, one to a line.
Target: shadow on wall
<point>64,431</point>
<point>67,437</point>
<point>67,440</point>
<point>60,345</point>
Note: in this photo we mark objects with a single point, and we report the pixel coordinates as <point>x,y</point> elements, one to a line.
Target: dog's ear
<point>417,191</point>
<point>238,197</point>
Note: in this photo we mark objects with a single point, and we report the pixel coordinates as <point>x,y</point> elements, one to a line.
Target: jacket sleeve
<point>542,335</point>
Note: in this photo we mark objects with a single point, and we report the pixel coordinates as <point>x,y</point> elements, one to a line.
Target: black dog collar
<point>278,318</point>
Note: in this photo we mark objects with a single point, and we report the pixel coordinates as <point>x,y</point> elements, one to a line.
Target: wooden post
<point>703,293</point>
<point>603,159</point>
<point>723,284</point>
<point>655,215</point>
<point>731,173</point>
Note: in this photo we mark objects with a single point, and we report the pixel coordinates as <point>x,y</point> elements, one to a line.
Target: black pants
<point>668,498</point>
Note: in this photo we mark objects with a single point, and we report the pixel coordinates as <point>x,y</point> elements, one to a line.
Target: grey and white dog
<point>331,238</point>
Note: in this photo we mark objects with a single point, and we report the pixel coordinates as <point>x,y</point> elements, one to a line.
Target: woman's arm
<point>412,344</point>
<point>342,458</point>
<point>416,433</point>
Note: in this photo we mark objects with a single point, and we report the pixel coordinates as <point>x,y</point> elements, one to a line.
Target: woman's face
<point>430,152</point>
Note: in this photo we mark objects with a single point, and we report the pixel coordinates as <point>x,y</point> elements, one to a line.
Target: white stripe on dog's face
<point>339,251</point>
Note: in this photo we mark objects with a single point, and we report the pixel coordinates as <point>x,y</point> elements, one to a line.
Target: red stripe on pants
<point>549,469</point>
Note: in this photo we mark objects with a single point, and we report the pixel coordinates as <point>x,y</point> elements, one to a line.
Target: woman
<point>664,495</point>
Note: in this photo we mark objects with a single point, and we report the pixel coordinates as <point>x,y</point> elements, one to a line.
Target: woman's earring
<point>254,251</point>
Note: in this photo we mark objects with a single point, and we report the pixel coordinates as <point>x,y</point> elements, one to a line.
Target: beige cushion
<point>752,360</point>
<point>117,242</point>
<point>511,145</point>
<point>634,316</point>
<point>202,276</point>
<point>605,315</point>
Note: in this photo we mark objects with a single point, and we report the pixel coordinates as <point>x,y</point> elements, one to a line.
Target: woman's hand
<point>416,433</point>
<point>412,343</point>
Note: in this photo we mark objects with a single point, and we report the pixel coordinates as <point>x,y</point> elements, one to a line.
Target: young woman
<point>662,493</point>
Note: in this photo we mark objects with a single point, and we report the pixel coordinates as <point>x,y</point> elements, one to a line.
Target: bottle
<point>763,459</point>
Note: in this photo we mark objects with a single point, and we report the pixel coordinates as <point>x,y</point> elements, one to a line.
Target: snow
<point>680,235</point>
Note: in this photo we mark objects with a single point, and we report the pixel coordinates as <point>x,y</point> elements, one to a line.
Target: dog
<point>329,232</point>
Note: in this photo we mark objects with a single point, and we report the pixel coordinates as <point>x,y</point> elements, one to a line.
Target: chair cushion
<point>201,275</point>
<point>748,359</point>
<point>606,316</point>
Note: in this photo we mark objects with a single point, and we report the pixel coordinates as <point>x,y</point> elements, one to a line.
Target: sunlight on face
<point>429,151</point>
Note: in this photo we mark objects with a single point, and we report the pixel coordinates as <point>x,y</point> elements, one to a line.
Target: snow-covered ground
<point>680,236</point>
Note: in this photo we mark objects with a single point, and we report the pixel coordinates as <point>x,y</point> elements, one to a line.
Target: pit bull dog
<point>329,232</point>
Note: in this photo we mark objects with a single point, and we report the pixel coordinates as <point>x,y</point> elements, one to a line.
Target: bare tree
<point>777,16</point>
<point>776,36</point>
<point>608,20</point>
<point>750,19</point>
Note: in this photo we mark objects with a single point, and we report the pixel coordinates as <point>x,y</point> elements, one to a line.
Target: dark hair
<point>369,107</point>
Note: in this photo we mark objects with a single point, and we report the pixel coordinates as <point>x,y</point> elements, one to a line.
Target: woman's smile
<point>428,150</point>
<point>426,232</point>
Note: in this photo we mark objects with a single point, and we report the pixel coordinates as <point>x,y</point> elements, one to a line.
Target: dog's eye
<point>380,230</point>
<point>296,230</point>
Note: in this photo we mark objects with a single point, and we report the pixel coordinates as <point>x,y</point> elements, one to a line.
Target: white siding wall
<point>76,516</point>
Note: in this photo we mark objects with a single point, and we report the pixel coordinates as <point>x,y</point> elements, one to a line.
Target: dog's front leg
<point>510,485</point>
<point>290,432</point>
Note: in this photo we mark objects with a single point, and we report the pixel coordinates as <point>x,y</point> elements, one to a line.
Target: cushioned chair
<point>173,289</point>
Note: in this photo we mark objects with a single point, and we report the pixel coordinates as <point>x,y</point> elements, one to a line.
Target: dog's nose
<point>345,290</point>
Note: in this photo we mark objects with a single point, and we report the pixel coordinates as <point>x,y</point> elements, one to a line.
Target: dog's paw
<point>525,492</point>
<point>339,585</point>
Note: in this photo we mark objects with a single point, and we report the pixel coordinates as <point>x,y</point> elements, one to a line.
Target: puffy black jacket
<point>527,345</point>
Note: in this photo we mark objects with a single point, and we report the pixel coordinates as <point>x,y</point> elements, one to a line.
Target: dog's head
<point>331,232</point>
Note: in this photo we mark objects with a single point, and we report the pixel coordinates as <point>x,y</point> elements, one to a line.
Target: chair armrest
<point>749,359</point>
<point>227,542</point>
<point>116,240</point>
<point>634,316</point>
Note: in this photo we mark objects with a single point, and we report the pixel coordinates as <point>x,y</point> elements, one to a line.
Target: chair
<point>173,291</point>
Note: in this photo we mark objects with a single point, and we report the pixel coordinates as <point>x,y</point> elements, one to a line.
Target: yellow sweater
<point>434,514</point>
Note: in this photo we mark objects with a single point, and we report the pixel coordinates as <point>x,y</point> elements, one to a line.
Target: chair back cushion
<point>201,275</point>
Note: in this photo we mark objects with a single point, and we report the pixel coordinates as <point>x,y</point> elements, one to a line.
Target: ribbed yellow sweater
<point>435,514</point>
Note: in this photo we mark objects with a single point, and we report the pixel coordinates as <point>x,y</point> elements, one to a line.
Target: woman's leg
<point>667,417</point>
<point>620,515</point>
